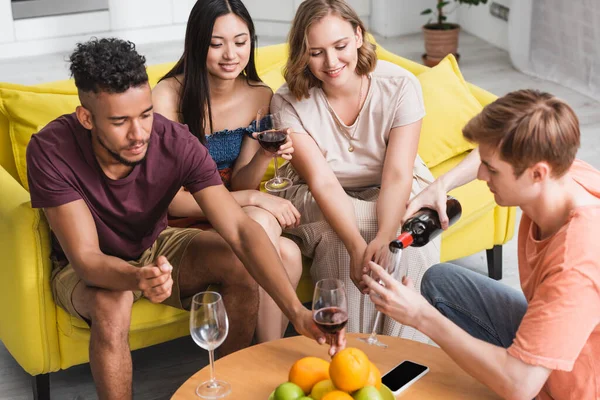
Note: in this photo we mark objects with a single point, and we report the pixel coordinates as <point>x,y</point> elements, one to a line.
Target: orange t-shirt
<point>560,277</point>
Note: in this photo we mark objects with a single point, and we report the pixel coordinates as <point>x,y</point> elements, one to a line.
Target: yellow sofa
<point>44,338</point>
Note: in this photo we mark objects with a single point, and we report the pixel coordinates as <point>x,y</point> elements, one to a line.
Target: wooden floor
<point>160,370</point>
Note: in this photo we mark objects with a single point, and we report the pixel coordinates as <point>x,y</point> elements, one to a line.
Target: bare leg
<point>291,257</point>
<point>209,260</point>
<point>270,318</point>
<point>110,356</point>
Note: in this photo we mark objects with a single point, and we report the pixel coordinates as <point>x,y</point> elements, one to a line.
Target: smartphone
<point>403,375</point>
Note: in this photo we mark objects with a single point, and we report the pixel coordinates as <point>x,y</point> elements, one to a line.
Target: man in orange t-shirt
<point>544,342</point>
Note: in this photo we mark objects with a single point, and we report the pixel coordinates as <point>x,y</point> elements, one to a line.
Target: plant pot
<point>432,62</point>
<point>440,42</point>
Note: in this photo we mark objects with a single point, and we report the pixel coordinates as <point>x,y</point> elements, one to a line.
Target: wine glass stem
<point>275,163</point>
<point>374,331</point>
<point>211,357</point>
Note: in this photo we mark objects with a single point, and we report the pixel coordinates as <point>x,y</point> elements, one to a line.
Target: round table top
<point>256,371</point>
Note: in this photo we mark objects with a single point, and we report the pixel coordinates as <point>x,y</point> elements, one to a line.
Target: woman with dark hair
<point>214,89</point>
<point>356,166</point>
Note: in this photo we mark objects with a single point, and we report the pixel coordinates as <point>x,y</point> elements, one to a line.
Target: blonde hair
<point>528,126</point>
<point>296,72</point>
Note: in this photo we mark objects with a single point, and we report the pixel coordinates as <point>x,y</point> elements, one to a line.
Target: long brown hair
<point>528,126</point>
<point>297,74</point>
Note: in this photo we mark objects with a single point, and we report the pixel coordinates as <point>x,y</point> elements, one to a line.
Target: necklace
<point>343,128</point>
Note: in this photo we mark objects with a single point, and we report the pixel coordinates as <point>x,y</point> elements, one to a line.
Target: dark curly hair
<point>108,65</point>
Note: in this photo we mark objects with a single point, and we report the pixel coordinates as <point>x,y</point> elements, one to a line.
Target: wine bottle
<point>425,225</point>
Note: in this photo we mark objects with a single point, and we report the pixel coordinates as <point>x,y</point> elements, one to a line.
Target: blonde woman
<point>356,123</point>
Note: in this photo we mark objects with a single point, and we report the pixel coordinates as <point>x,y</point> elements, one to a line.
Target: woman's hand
<point>399,301</point>
<point>287,215</point>
<point>374,252</point>
<point>356,266</point>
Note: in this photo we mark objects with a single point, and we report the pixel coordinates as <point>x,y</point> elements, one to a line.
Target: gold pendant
<point>350,148</point>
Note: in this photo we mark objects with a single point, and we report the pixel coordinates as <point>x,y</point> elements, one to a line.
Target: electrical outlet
<point>499,11</point>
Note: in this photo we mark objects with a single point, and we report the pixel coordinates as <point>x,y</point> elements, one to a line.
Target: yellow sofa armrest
<point>27,309</point>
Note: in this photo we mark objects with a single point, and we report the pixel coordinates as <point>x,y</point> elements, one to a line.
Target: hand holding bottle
<point>433,197</point>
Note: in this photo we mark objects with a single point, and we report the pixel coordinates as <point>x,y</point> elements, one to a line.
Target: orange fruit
<point>349,369</point>
<point>307,371</point>
<point>337,395</point>
<point>374,378</point>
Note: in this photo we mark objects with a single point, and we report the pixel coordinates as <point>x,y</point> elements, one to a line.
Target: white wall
<point>7,33</point>
<point>400,17</point>
<point>478,21</point>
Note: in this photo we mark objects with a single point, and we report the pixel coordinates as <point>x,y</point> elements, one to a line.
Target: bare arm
<point>184,204</point>
<point>327,191</point>
<point>434,196</point>
<point>250,166</point>
<point>396,181</point>
<point>74,226</point>
<point>165,98</point>
<point>253,247</point>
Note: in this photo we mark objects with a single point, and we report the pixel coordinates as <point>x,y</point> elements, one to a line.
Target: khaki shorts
<point>171,243</point>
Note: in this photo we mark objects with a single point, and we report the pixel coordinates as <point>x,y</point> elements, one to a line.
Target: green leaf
<point>425,12</point>
<point>443,18</point>
<point>442,4</point>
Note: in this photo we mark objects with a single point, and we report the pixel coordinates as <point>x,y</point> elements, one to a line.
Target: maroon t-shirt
<point>131,212</point>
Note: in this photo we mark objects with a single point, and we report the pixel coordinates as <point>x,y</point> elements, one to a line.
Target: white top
<point>394,99</point>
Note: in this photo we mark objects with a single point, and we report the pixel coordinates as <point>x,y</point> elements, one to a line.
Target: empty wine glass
<point>389,260</point>
<point>209,327</point>
<point>271,135</point>
<point>330,306</point>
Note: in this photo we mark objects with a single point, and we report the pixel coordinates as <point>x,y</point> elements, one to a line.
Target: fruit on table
<point>367,393</point>
<point>305,398</point>
<point>307,371</point>
<point>374,378</point>
<point>321,389</point>
<point>337,395</point>
<point>349,369</point>
<point>288,391</point>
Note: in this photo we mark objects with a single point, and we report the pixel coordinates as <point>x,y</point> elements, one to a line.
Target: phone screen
<point>402,374</point>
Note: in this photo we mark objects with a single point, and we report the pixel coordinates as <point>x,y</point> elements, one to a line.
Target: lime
<point>367,393</point>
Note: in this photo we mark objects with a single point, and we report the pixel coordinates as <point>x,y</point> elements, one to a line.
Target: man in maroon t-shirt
<point>105,176</point>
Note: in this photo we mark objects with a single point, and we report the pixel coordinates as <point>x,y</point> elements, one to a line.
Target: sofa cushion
<point>449,105</point>
<point>28,109</point>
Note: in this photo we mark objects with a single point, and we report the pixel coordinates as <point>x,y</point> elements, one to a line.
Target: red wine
<point>272,140</point>
<point>425,225</point>
<point>330,319</point>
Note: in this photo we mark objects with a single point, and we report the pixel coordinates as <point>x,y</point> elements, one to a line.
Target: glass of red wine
<point>330,306</point>
<point>271,135</point>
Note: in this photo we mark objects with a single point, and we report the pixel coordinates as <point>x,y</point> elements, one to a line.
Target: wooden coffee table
<point>256,371</point>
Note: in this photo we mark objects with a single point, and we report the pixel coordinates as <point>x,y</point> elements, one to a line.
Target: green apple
<point>367,393</point>
<point>321,389</point>
<point>305,398</point>
<point>288,391</point>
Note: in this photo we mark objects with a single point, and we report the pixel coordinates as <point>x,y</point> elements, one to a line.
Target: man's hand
<point>434,197</point>
<point>287,215</point>
<point>155,281</point>
<point>399,301</point>
<point>305,325</point>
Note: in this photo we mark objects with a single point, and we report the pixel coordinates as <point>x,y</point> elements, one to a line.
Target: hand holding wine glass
<point>209,326</point>
<point>271,136</point>
<point>330,306</point>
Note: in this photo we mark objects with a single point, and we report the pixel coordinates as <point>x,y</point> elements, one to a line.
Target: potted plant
<point>441,37</point>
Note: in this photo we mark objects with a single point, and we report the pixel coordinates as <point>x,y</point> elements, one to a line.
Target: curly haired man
<point>105,176</point>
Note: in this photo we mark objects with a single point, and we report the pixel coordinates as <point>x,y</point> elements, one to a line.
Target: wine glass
<point>209,327</point>
<point>389,259</point>
<point>271,135</point>
<point>330,306</point>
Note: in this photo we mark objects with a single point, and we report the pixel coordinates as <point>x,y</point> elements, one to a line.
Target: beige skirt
<point>318,241</point>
